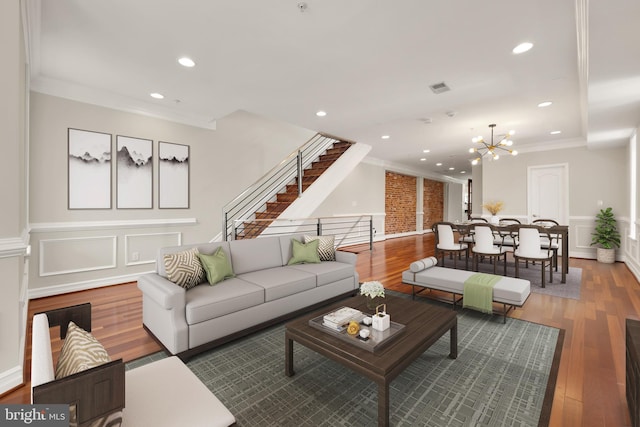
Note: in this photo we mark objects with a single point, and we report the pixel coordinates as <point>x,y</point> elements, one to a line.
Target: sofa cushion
<point>80,351</point>
<point>255,254</point>
<point>217,266</point>
<point>184,268</point>
<point>327,271</point>
<point>203,248</point>
<point>281,281</point>
<point>206,302</point>
<point>304,252</point>
<point>326,246</point>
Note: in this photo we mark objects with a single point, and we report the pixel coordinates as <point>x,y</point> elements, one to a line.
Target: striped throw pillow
<point>80,351</point>
<point>184,268</point>
<point>326,249</point>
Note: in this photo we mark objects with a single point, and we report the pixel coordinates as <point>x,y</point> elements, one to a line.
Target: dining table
<point>561,231</point>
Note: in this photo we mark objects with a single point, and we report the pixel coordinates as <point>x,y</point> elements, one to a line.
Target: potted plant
<point>606,236</point>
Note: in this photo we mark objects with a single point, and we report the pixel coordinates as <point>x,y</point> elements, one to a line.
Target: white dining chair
<point>553,244</point>
<point>528,248</point>
<point>484,246</point>
<point>446,243</point>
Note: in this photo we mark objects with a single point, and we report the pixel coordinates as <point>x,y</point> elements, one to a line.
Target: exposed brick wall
<point>433,202</point>
<point>400,203</point>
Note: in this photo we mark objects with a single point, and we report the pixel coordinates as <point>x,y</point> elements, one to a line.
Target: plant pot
<point>607,256</point>
<point>495,220</point>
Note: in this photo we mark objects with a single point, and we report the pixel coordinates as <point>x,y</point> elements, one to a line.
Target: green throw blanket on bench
<point>478,292</point>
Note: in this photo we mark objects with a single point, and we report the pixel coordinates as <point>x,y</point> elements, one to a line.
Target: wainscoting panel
<point>73,255</point>
<point>582,238</point>
<point>142,248</point>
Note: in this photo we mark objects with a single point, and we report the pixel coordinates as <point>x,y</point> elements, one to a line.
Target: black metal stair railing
<point>244,206</point>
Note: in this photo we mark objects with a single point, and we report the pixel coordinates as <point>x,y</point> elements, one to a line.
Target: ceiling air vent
<point>440,87</point>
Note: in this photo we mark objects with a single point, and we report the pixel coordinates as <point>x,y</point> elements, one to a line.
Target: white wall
<point>110,246</point>
<point>358,194</point>
<point>593,175</point>
<point>13,235</point>
<point>631,247</point>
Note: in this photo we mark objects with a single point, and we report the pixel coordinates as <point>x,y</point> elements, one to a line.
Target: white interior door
<point>548,193</point>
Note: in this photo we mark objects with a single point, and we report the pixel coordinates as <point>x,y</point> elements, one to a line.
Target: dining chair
<point>505,238</point>
<point>484,237</point>
<point>446,244</point>
<point>544,243</point>
<point>509,221</point>
<point>476,219</point>
<point>528,240</point>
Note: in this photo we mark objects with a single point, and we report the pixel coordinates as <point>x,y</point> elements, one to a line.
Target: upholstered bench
<point>162,393</point>
<point>425,275</point>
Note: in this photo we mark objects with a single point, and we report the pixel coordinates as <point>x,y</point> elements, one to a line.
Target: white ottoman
<point>167,393</point>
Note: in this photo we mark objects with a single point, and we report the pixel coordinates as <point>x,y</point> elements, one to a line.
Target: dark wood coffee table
<point>424,325</point>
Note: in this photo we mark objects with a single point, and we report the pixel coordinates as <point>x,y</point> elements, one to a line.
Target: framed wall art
<point>89,169</point>
<point>134,173</point>
<point>173,176</point>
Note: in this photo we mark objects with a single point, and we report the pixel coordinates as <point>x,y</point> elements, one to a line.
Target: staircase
<point>273,209</point>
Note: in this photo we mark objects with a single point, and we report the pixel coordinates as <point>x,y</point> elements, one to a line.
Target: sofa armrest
<point>41,357</point>
<point>162,291</point>
<point>346,257</point>
<point>97,392</point>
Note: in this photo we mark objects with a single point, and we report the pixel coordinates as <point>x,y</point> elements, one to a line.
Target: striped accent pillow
<point>184,268</point>
<point>80,351</point>
<point>326,248</point>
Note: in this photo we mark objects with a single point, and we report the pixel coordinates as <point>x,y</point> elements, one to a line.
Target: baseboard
<point>11,379</point>
<point>48,291</point>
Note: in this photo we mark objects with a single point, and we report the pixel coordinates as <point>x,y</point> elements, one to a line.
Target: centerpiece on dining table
<point>494,209</point>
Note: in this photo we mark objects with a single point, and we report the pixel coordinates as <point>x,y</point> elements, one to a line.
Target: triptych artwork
<point>90,172</point>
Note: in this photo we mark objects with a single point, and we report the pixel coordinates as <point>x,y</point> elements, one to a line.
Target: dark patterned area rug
<point>570,289</point>
<point>504,376</point>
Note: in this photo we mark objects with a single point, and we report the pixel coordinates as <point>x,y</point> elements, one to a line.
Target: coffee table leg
<point>288,356</point>
<point>383,404</point>
<point>453,351</point>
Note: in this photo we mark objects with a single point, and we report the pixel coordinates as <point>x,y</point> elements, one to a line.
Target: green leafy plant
<point>606,234</point>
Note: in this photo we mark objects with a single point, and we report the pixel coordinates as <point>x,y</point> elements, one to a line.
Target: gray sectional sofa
<point>264,291</point>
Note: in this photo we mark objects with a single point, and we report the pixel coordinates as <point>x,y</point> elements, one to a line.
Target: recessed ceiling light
<point>522,47</point>
<point>452,169</point>
<point>385,137</point>
<point>426,151</point>
<point>555,132</point>
<point>321,113</point>
<point>186,62</point>
<point>438,164</point>
<point>463,171</point>
<point>545,104</point>
<point>156,95</point>
<point>423,159</point>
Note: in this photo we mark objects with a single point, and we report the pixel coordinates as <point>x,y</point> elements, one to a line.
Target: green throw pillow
<point>217,266</point>
<point>304,252</point>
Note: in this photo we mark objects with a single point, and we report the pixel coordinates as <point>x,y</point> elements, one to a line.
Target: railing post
<point>224,226</point>
<point>299,173</point>
<point>370,233</point>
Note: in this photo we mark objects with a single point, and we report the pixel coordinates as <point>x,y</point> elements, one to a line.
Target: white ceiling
<point>367,63</point>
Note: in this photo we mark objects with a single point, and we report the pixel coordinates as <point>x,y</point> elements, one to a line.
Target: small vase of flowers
<point>373,291</point>
<point>494,209</point>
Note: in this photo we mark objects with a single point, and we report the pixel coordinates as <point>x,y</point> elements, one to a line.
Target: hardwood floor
<point>590,390</point>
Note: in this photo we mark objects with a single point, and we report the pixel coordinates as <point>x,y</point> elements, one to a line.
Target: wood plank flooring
<point>590,390</point>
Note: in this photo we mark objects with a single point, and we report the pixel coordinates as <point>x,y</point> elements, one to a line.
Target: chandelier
<point>492,150</point>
